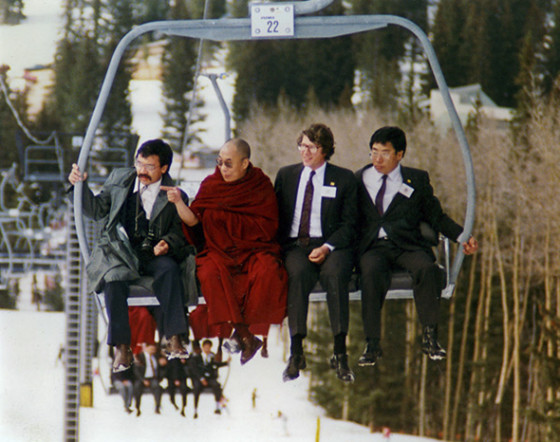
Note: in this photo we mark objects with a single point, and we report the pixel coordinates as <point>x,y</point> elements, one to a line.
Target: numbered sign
<point>272,20</point>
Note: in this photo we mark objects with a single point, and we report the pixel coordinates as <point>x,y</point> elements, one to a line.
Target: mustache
<point>143,175</point>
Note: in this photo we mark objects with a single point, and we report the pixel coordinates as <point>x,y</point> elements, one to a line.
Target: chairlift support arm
<point>304,27</point>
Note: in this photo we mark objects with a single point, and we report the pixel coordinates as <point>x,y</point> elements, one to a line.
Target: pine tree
<point>8,124</point>
<point>448,41</point>
<point>117,118</point>
<point>551,65</point>
<point>268,70</point>
<point>77,69</point>
<point>382,54</point>
<point>179,60</point>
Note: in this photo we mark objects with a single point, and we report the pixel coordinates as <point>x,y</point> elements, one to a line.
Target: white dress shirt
<point>315,230</point>
<point>151,364</point>
<point>148,194</point>
<point>373,179</point>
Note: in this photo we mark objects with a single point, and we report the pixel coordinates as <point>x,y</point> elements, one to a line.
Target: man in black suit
<point>317,203</point>
<point>205,374</point>
<point>392,201</point>
<point>148,375</point>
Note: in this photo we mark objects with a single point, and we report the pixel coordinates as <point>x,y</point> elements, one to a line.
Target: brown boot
<point>264,349</point>
<point>123,358</point>
<point>250,346</point>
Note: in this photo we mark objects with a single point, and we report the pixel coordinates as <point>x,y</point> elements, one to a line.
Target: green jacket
<point>113,258</point>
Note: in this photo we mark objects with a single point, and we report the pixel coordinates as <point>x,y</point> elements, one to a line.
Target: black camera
<point>146,247</point>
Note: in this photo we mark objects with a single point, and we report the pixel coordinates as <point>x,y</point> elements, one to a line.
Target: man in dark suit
<point>142,235</point>
<point>317,203</point>
<point>148,374</point>
<point>205,374</point>
<point>392,201</point>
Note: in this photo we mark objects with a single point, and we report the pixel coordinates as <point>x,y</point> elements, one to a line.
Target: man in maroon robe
<point>239,268</point>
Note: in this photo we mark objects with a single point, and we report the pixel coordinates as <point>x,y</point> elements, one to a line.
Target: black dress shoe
<point>123,358</point>
<point>430,344</point>
<point>295,364</point>
<point>339,362</point>
<point>371,354</point>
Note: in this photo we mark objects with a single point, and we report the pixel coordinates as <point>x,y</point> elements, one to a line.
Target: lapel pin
<point>332,183</point>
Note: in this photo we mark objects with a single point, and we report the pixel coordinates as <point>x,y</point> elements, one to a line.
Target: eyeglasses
<point>149,167</point>
<point>227,163</point>
<point>386,155</point>
<point>310,147</point>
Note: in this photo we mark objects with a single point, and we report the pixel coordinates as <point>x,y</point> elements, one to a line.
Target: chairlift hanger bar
<point>304,27</point>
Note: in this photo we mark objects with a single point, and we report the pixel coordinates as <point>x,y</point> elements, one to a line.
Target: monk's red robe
<point>198,321</point>
<point>240,270</point>
<point>142,328</point>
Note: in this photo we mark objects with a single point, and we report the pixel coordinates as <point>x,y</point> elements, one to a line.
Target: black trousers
<point>213,384</point>
<point>334,274</point>
<point>154,388</point>
<point>376,265</point>
<point>168,288</point>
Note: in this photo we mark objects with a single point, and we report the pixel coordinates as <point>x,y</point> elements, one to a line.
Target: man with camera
<point>142,236</point>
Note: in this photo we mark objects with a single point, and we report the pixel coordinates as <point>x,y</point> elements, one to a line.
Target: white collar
<point>394,175</point>
<point>151,188</point>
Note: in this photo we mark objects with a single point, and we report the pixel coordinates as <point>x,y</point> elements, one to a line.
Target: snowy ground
<point>32,386</point>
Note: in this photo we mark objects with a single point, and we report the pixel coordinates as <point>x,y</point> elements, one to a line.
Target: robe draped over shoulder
<point>240,270</point>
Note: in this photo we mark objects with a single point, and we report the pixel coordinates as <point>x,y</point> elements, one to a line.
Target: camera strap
<point>137,214</point>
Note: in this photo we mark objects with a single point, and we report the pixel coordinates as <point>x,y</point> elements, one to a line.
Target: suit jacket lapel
<point>161,199</point>
<point>292,185</point>
<point>120,194</point>
<point>399,197</point>
<point>368,199</point>
<point>329,180</point>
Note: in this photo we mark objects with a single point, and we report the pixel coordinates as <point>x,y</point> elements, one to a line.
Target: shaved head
<point>241,146</point>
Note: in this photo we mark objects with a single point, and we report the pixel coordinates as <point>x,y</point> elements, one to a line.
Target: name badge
<point>328,192</point>
<point>406,190</point>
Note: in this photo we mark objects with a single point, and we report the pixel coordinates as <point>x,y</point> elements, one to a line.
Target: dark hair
<point>242,146</point>
<point>390,134</point>
<point>207,341</point>
<point>157,147</point>
<point>322,136</point>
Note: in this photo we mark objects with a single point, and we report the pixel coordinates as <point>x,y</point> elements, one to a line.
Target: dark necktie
<point>303,233</point>
<point>380,195</point>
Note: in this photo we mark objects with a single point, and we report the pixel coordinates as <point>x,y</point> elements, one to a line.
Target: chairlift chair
<point>240,29</point>
<point>304,27</point>
<point>44,163</point>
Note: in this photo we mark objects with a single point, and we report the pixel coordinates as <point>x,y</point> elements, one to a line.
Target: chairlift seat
<point>43,163</point>
<point>401,279</point>
<point>141,293</point>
